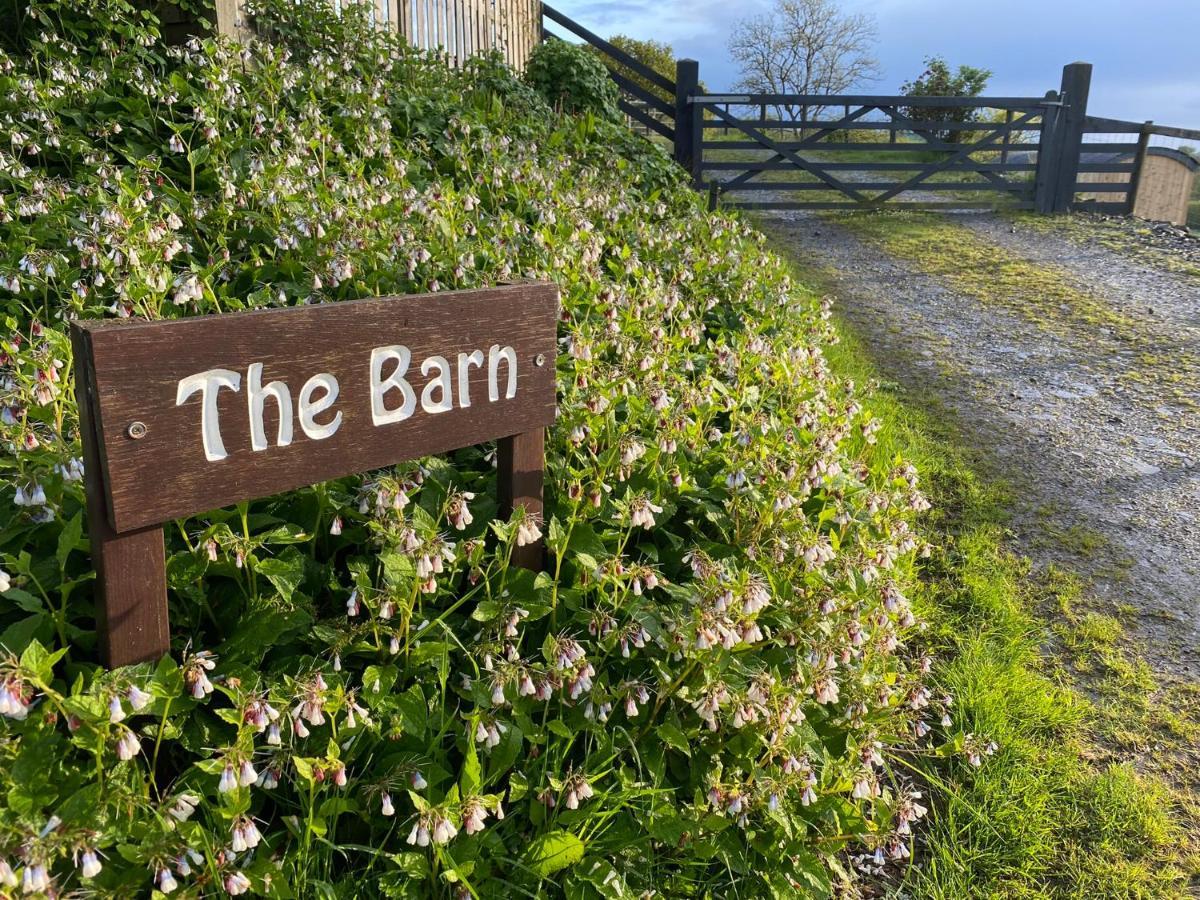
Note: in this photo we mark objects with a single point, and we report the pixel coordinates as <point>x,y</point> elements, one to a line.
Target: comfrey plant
<point>702,696</point>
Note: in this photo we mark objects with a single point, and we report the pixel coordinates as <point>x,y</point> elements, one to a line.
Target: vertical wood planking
<point>520,460</point>
<point>477,40</point>
<point>131,569</point>
<point>493,23</point>
<point>1139,162</point>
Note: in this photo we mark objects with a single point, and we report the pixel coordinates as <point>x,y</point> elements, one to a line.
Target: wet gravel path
<point>1098,433</point>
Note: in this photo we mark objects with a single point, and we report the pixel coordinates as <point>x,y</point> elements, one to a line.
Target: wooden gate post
<point>687,116</point>
<point>131,569</point>
<point>1047,155</point>
<point>520,463</point>
<point>1076,81</point>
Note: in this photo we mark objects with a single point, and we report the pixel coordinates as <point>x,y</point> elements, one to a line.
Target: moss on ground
<point>1132,238</point>
<point>1044,295</point>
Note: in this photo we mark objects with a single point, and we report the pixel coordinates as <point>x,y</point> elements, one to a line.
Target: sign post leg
<point>521,461</point>
<point>131,569</point>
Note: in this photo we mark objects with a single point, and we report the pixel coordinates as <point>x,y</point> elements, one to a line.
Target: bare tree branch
<point>804,47</point>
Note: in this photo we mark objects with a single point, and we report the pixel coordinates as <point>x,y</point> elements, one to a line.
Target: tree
<point>804,47</point>
<point>938,81</point>
<point>654,55</point>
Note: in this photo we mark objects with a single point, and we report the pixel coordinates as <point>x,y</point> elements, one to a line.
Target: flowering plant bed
<point>365,698</point>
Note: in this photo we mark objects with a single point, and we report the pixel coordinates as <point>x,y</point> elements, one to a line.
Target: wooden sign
<point>186,416</point>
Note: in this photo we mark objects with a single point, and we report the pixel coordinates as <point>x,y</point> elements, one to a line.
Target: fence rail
<point>1103,159</point>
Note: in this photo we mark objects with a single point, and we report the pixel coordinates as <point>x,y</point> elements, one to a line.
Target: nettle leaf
<point>553,851</point>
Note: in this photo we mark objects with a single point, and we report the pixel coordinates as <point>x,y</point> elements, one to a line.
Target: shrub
<point>571,79</point>
<point>939,81</point>
<point>363,697</point>
<point>655,55</point>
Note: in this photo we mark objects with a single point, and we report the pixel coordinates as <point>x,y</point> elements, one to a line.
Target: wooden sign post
<point>185,416</point>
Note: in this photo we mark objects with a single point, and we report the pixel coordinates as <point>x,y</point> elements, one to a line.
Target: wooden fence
<point>1121,172</point>
<point>460,28</point>
<point>466,28</point>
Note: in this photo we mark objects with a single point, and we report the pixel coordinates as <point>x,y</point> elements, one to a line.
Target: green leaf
<point>413,865</point>
<point>810,871</point>
<point>377,682</point>
<point>486,610</point>
<point>603,876</point>
<point>413,711</point>
<point>674,737</point>
<point>285,572</point>
<point>69,538</point>
<point>471,772</point>
<point>303,768</point>
<point>397,568</point>
<point>37,659</point>
<point>553,851</point>
<point>24,600</point>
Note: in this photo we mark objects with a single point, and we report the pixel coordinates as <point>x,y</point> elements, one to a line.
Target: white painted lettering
<point>209,384</point>
<point>310,408</point>
<point>496,354</point>
<point>465,361</point>
<point>256,396</point>
<point>380,414</point>
<point>439,384</point>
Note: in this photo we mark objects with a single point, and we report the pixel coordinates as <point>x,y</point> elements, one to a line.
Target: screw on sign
<point>185,416</point>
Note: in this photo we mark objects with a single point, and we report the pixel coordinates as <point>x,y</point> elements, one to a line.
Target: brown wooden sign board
<point>185,416</point>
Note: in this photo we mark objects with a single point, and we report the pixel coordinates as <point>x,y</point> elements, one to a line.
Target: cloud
<point>1144,64</point>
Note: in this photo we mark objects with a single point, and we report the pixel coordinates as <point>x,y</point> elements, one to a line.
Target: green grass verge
<point>1054,813</point>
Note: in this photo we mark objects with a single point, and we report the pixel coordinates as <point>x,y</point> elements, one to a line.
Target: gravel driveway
<point>1089,409</point>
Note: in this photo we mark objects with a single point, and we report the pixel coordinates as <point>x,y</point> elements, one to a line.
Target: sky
<point>1145,53</point>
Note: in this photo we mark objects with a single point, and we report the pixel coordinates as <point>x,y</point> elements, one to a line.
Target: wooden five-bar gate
<point>857,159</point>
<point>787,151</point>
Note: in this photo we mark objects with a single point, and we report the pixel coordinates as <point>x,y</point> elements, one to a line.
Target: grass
<point>1069,806</point>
